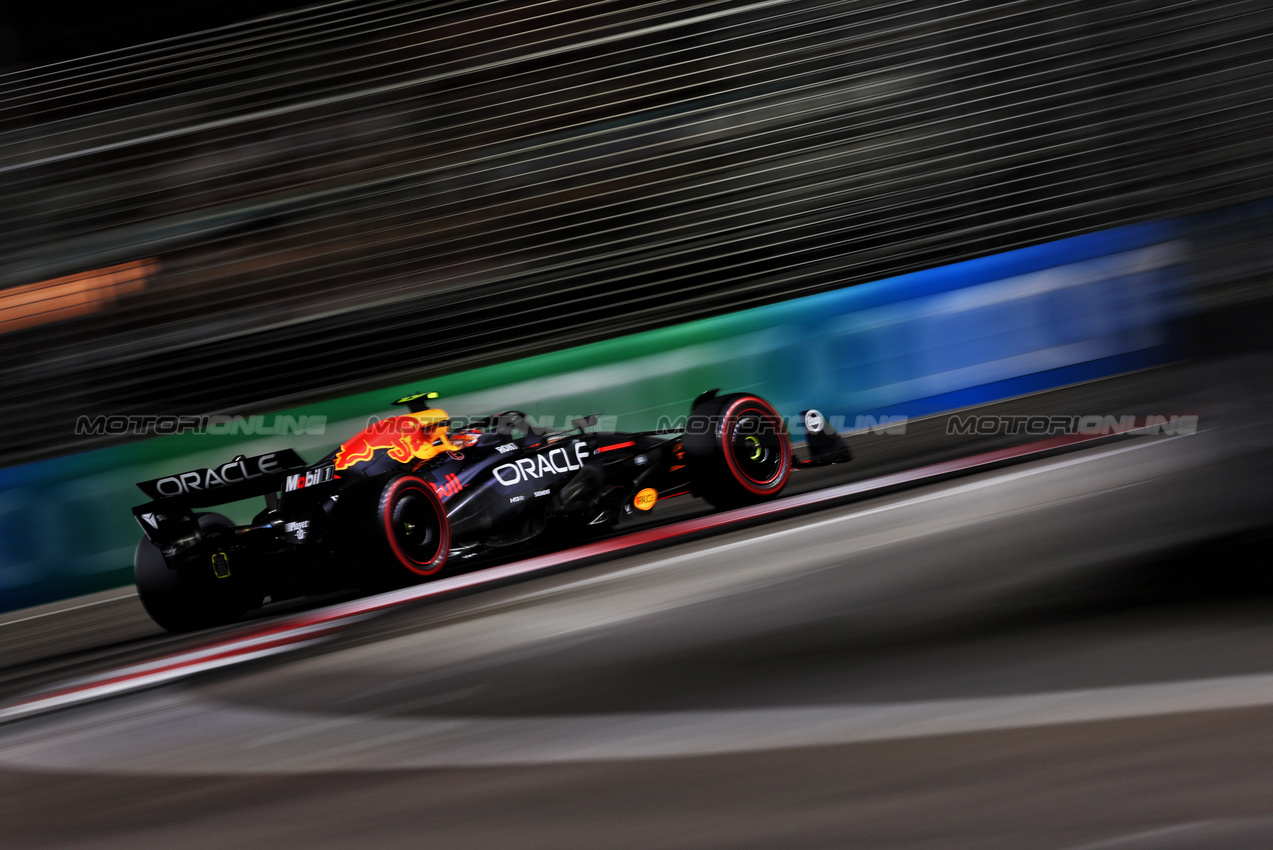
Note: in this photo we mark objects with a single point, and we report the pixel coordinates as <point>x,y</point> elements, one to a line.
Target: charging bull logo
<point>416,435</point>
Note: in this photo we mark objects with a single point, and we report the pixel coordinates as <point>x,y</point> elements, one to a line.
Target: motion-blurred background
<point>285,215</point>
<point>918,206</point>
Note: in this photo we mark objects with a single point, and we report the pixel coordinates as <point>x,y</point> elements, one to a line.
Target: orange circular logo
<point>645,499</point>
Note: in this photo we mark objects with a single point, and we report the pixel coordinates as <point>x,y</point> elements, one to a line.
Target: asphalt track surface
<point>1069,653</point>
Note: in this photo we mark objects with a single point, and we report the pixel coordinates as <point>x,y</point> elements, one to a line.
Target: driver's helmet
<point>467,437</point>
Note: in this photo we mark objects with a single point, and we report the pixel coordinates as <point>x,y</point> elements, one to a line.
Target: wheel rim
<point>415,527</point>
<point>757,447</point>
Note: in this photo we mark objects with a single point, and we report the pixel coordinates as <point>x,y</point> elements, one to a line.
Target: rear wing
<point>174,497</point>
<point>241,478</point>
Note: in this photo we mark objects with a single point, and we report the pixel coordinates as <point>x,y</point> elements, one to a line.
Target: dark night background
<point>56,30</point>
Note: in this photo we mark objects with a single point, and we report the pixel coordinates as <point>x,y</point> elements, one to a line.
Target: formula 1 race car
<point>416,494</point>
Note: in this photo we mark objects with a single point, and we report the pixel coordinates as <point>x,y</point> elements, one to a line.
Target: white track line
<point>27,619</point>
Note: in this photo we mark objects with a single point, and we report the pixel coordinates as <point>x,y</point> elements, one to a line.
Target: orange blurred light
<point>72,295</point>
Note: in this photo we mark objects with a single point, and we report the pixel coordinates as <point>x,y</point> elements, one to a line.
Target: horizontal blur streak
<point>71,295</point>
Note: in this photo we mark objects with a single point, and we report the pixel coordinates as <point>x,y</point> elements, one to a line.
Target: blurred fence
<point>365,191</point>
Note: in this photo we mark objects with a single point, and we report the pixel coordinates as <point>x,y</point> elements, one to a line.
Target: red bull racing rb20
<point>415,496</point>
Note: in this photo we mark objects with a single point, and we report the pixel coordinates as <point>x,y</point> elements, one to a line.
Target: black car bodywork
<point>409,498</point>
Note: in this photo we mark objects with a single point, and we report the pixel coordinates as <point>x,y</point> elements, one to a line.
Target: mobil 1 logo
<point>309,478</point>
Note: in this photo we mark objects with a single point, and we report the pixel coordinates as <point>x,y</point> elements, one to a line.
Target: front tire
<point>177,600</point>
<point>739,448</point>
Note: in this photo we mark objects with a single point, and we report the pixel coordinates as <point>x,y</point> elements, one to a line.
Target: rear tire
<point>178,600</point>
<point>739,448</point>
<point>412,524</point>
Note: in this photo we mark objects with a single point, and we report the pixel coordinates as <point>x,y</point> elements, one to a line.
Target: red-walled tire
<point>413,525</point>
<point>739,448</point>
